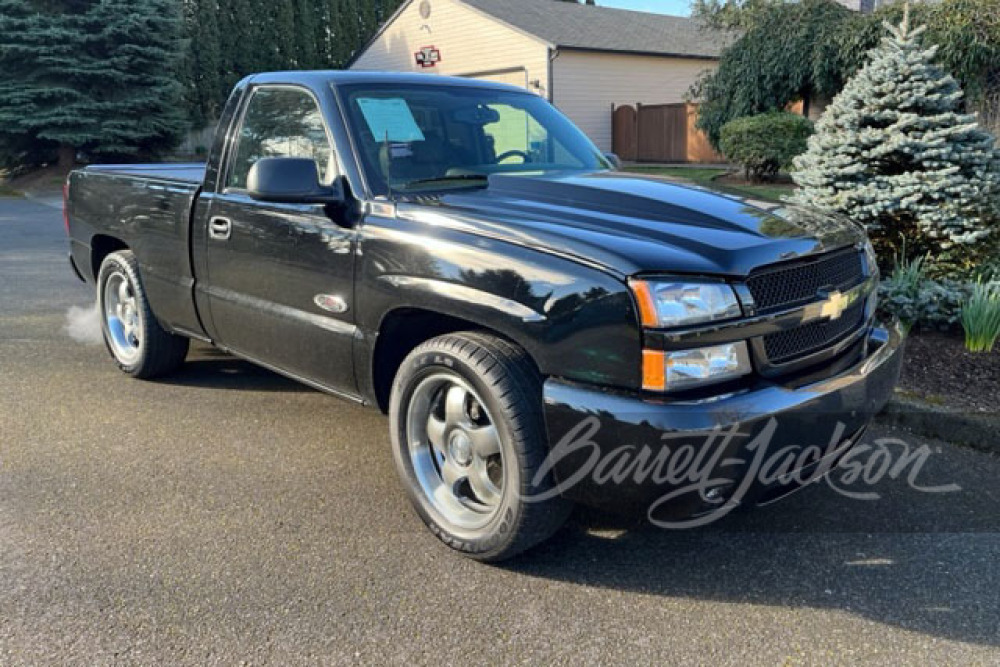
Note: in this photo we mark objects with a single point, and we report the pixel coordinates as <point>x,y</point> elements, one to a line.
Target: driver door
<point>280,276</point>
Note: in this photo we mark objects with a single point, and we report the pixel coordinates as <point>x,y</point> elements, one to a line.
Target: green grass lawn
<point>704,176</point>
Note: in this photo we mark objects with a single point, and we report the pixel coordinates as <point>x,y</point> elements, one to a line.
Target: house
<point>584,59</point>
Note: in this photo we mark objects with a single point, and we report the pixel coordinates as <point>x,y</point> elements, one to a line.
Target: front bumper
<point>680,459</point>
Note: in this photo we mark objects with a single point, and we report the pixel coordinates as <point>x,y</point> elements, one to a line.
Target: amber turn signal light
<point>654,375</point>
<point>647,306</point>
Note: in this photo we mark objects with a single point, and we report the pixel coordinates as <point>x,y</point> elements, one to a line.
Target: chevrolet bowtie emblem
<point>835,305</point>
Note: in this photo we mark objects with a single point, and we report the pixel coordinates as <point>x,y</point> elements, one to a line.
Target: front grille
<point>794,284</point>
<point>785,346</point>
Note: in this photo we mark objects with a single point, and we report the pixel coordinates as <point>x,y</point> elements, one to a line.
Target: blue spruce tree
<point>895,152</point>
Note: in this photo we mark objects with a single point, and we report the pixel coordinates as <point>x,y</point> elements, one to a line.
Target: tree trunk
<point>67,157</point>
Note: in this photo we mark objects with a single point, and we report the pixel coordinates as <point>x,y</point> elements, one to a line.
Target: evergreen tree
<point>138,50</point>
<point>238,40</point>
<point>784,51</point>
<point>322,34</point>
<point>347,29</point>
<point>44,111</point>
<point>367,22</point>
<point>97,76</point>
<point>229,39</point>
<point>203,62</point>
<point>306,41</point>
<point>894,152</point>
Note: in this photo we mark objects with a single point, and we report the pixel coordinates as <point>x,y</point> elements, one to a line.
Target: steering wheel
<point>514,153</point>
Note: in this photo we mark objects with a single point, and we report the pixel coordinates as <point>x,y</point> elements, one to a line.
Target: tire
<point>134,338</point>
<point>447,396</point>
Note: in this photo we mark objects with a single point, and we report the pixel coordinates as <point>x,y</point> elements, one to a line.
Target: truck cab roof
<point>314,78</point>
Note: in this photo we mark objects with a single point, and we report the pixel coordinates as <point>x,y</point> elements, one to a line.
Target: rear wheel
<point>138,344</point>
<point>468,439</point>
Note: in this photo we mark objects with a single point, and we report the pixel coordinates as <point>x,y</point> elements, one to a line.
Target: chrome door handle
<point>220,229</point>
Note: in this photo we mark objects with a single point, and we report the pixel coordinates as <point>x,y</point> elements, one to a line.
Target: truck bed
<point>146,207</point>
<point>179,172</point>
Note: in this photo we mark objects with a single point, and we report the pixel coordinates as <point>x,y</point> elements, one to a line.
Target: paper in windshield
<point>390,118</point>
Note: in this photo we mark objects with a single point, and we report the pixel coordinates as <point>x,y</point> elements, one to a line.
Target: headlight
<point>677,304</point>
<point>683,369</point>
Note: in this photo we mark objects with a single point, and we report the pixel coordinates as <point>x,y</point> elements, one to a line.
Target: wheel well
<point>401,331</point>
<point>100,247</point>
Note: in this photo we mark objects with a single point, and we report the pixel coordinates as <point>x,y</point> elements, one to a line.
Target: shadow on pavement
<point>912,565</point>
<point>211,368</point>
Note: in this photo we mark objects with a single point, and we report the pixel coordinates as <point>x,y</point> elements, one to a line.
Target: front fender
<point>575,321</point>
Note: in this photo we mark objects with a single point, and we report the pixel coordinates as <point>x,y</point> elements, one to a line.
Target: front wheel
<point>138,344</point>
<point>468,439</point>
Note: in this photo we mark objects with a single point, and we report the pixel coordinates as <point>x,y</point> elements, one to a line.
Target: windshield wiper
<point>447,179</point>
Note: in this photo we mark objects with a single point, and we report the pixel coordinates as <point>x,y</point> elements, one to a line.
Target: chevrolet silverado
<point>459,255</point>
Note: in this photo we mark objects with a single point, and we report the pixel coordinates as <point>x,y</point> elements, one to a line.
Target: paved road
<point>228,516</point>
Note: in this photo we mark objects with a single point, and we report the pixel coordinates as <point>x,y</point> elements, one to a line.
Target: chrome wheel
<point>455,450</point>
<point>121,315</point>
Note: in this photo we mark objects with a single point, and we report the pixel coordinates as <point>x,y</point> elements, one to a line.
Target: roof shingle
<point>575,26</point>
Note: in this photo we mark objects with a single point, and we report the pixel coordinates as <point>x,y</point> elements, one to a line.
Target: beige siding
<point>587,84</point>
<point>470,43</point>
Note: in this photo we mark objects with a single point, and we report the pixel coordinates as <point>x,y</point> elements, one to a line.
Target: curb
<point>978,431</point>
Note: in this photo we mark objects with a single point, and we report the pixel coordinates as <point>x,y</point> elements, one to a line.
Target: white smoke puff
<point>84,325</point>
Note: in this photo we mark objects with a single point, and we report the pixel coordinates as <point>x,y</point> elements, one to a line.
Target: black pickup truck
<point>541,328</point>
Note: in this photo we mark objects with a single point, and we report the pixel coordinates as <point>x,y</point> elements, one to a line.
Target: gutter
<point>651,54</point>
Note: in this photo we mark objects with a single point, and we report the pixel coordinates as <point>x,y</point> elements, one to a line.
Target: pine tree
<point>97,76</point>
<point>367,22</point>
<point>238,40</point>
<point>322,37</point>
<point>134,84</point>
<point>894,152</point>
<point>44,111</point>
<point>203,63</point>
<point>306,44</point>
<point>347,28</point>
<point>279,35</point>
<point>229,39</point>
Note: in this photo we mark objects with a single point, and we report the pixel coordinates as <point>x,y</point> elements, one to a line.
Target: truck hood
<point>633,224</point>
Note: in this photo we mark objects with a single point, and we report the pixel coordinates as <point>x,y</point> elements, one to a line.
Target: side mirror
<point>290,180</point>
<point>616,162</point>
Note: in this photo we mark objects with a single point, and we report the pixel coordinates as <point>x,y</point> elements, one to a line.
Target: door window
<point>281,122</point>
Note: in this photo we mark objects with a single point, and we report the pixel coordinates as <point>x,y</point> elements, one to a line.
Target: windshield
<point>414,138</point>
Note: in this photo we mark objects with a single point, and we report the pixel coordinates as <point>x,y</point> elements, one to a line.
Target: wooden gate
<point>660,133</point>
<point>624,137</point>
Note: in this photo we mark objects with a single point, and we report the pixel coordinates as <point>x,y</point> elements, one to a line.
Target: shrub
<point>788,51</point>
<point>919,301</point>
<point>981,318</point>
<point>989,269</point>
<point>765,144</point>
<point>936,304</point>
<point>970,263</point>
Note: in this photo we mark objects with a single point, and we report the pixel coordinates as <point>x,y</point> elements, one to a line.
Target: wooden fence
<point>660,133</point>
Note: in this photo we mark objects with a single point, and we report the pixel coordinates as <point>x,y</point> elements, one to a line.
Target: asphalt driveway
<point>229,516</point>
